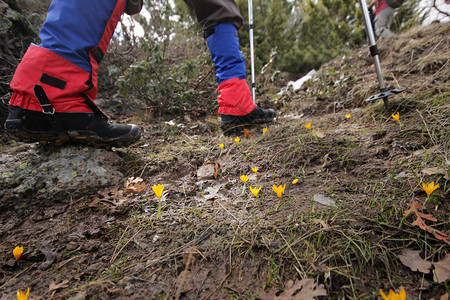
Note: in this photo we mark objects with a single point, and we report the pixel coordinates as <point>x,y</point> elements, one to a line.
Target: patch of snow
<point>172,123</point>
<point>296,85</point>
<point>433,14</point>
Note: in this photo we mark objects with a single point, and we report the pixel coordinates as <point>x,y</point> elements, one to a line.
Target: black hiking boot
<point>231,124</point>
<point>70,127</point>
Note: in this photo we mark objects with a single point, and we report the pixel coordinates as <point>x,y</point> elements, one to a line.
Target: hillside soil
<point>340,232</point>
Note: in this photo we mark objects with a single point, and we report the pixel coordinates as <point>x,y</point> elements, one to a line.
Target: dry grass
<point>214,241</point>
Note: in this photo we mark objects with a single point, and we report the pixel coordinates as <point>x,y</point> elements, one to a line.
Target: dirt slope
<point>210,238</point>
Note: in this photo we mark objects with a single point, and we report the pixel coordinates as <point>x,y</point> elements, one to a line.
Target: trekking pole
<point>252,51</point>
<point>384,93</point>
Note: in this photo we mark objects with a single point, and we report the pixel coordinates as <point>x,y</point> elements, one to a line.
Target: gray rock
<point>324,200</point>
<point>34,171</point>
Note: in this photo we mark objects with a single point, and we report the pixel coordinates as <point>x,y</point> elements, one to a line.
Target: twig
<point>17,275</point>
<point>431,52</point>
<point>118,242</point>
<point>308,235</point>
<point>426,126</point>
<point>398,85</point>
<point>65,293</point>
<point>440,11</point>
<point>203,79</point>
<point>69,260</point>
<point>128,103</point>
<point>114,257</point>
<point>177,251</point>
<point>184,276</point>
<point>217,287</point>
<point>295,256</point>
<point>437,72</point>
<point>228,211</point>
<point>229,273</point>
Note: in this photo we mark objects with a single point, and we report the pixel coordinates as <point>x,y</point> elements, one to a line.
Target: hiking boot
<point>256,116</point>
<point>69,127</point>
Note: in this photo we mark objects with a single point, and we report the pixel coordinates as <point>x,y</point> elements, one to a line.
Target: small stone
<point>206,172</point>
<point>324,200</point>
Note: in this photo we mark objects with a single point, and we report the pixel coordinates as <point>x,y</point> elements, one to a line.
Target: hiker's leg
<point>383,22</point>
<point>234,94</point>
<point>63,69</point>
<point>389,16</point>
<point>212,12</point>
<point>220,20</point>
<point>74,39</point>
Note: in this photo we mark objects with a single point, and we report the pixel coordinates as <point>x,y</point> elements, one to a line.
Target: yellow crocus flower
<point>429,188</point>
<point>158,190</point>
<point>393,295</point>
<point>244,178</point>
<point>278,189</point>
<point>255,191</point>
<point>22,295</point>
<point>17,252</point>
<point>396,116</point>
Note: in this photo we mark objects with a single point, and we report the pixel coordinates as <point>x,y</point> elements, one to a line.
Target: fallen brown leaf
<point>441,271</point>
<point>248,133</point>
<point>321,222</point>
<point>414,207</point>
<point>53,286</point>
<point>135,185</point>
<point>412,259</point>
<point>436,171</point>
<point>320,134</point>
<point>216,169</point>
<point>305,289</point>
<point>95,202</point>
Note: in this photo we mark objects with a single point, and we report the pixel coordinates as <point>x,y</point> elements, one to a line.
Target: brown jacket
<point>209,12</point>
<point>133,7</point>
<point>212,12</point>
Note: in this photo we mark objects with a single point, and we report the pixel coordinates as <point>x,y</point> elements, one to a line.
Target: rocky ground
<point>340,232</point>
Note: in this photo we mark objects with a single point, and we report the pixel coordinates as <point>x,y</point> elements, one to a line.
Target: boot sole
<point>17,132</point>
<point>231,129</point>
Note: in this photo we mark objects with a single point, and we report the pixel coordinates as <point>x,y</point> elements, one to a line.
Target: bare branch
<point>440,11</point>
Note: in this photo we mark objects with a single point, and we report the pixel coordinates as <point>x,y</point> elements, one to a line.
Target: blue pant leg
<point>223,45</point>
<point>74,27</point>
